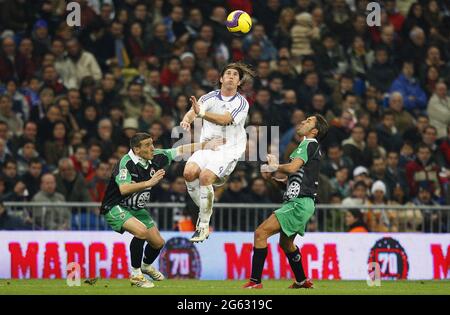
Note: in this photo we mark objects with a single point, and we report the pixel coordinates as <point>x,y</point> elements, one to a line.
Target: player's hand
<point>214,143</point>
<point>185,125</point>
<point>156,178</point>
<point>281,180</point>
<point>272,160</point>
<point>266,168</point>
<point>195,105</point>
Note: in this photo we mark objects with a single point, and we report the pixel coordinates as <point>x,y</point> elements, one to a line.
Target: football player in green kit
<point>302,175</point>
<point>125,205</point>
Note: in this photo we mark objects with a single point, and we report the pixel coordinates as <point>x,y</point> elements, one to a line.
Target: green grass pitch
<point>226,287</point>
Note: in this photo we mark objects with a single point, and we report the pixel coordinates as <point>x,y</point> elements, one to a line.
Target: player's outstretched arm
<point>218,119</point>
<point>130,188</point>
<point>212,144</point>
<point>188,119</point>
<point>287,168</point>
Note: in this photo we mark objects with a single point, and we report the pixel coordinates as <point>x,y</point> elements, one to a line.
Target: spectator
<point>395,175</point>
<point>429,137</point>
<point>382,73</point>
<point>81,162</point>
<point>29,134</point>
<point>358,195</point>
<point>258,191</point>
<point>57,148</point>
<point>259,36</point>
<point>50,218</point>
<point>70,183</point>
<point>380,220</point>
<point>355,146</point>
<point>32,178</point>
<point>25,154</point>
<point>373,147</point>
<point>423,168</point>
<point>81,63</point>
<point>361,173</point>
<point>403,119</point>
<point>354,222</point>
<point>4,153</point>
<point>10,175</point>
<point>334,160</point>
<point>10,222</point>
<point>432,222</point>
<point>439,109</point>
<point>12,63</point>
<point>388,135</point>
<point>235,192</point>
<point>98,183</point>
<point>340,183</point>
<point>414,134</point>
<point>302,33</point>
<point>7,115</point>
<point>413,95</point>
<point>340,129</point>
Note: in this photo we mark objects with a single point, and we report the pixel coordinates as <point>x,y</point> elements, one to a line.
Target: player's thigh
<point>135,227</point>
<point>268,228</point>
<point>221,164</point>
<point>154,238</point>
<point>287,242</point>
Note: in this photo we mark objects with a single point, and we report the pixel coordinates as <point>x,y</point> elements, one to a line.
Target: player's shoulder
<point>242,101</point>
<point>209,96</point>
<point>126,161</point>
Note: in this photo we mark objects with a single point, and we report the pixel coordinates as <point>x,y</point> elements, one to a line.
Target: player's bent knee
<point>260,235</point>
<point>190,174</point>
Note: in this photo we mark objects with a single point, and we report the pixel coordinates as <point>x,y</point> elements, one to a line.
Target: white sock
<point>193,189</point>
<point>136,272</point>
<point>144,265</point>
<point>206,205</point>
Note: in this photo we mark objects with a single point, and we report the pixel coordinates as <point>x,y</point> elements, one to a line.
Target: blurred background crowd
<point>71,97</point>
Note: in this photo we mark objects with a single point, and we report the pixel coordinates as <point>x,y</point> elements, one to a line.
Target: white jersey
<point>234,133</point>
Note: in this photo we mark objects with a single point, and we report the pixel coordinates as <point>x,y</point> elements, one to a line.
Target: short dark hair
<point>360,183</point>
<point>34,160</point>
<point>135,141</point>
<point>321,126</point>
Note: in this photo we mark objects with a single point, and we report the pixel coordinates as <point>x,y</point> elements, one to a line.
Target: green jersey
<point>305,182</point>
<point>132,168</point>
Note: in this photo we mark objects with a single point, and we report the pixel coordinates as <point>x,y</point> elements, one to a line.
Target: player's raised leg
<point>191,174</point>
<point>295,261</point>
<point>269,227</point>
<point>207,178</point>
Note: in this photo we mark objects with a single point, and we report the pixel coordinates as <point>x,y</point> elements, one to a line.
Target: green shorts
<point>118,215</point>
<point>294,215</point>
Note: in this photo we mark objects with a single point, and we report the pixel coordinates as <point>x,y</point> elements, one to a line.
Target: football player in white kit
<point>224,113</point>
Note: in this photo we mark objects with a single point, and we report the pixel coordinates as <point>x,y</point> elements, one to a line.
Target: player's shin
<point>136,252</point>
<point>295,260</point>
<point>206,205</point>
<point>150,254</point>
<point>259,257</point>
<point>193,189</point>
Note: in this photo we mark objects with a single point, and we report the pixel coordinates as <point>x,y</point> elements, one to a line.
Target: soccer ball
<point>239,22</point>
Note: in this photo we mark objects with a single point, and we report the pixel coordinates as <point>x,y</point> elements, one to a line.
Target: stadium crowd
<point>71,98</point>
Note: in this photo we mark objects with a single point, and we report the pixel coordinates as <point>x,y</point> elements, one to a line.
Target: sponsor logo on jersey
<point>123,174</point>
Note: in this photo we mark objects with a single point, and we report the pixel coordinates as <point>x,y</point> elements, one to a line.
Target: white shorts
<point>218,162</point>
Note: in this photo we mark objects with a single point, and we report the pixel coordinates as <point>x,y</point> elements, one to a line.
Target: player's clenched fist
<point>156,178</point>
